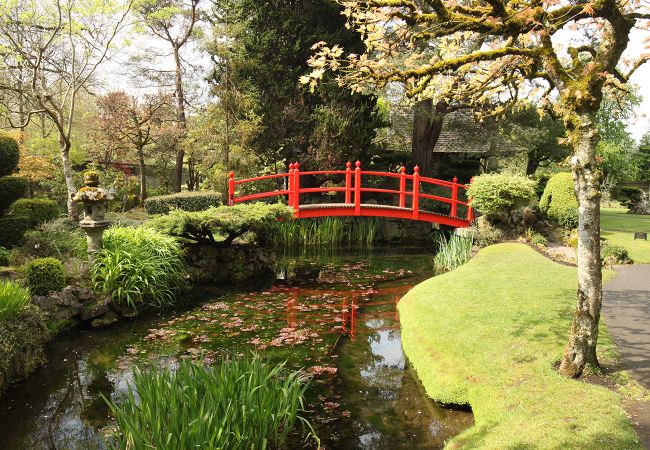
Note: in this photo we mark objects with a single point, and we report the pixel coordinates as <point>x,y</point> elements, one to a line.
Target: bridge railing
<point>353,189</point>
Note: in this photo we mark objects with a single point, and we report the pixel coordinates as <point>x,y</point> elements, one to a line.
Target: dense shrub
<point>497,195</point>
<point>60,238</point>
<point>611,254</point>
<point>12,230</point>
<point>138,266</point>
<point>9,155</point>
<point>241,404</point>
<point>44,275</point>
<point>11,189</point>
<point>38,210</point>
<point>13,298</point>
<point>222,225</point>
<point>4,256</point>
<point>559,201</point>
<point>486,234</point>
<point>186,201</point>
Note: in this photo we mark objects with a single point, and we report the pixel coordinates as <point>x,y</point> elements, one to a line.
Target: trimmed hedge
<point>38,210</point>
<point>9,155</point>
<point>11,188</point>
<point>44,275</point>
<point>13,229</point>
<point>499,194</point>
<point>559,200</point>
<point>186,201</point>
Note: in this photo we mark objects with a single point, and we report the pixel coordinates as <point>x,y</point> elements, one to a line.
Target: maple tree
<point>489,55</point>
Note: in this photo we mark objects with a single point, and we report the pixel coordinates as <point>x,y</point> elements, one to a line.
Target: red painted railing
<point>354,190</point>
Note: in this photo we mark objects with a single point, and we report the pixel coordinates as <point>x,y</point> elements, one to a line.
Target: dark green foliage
<point>22,340</point>
<point>611,254</point>
<point>38,210</point>
<point>271,43</point>
<point>138,266</point>
<point>559,200</point>
<point>187,201</point>
<point>497,195</point>
<point>12,230</point>
<point>60,238</point>
<point>11,189</point>
<point>222,225</point>
<point>241,404</point>
<point>9,155</point>
<point>44,275</point>
<point>4,256</point>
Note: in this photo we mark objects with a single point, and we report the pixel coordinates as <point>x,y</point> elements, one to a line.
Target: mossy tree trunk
<point>580,351</point>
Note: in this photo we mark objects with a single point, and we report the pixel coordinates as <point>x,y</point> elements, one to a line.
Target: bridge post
<point>290,184</point>
<point>357,189</point>
<point>231,189</point>
<point>296,187</point>
<point>402,188</point>
<point>416,193</point>
<point>470,210</point>
<point>454,198</point>
<point>348,182</point>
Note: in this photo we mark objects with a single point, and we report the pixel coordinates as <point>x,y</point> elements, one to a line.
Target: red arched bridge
<point>414,190</point>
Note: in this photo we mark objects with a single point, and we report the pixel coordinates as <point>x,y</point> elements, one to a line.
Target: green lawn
<point>618,227</point>
<point>488,334</point>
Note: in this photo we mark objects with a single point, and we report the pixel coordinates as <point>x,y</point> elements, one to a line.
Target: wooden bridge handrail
<point>353,191</point>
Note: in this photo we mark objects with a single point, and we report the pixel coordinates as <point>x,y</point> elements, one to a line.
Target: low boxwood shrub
<point>241,404</point>
<point>140,265</point>
<point>497,195</point>
<point>13,298</point>
<point>38,210</point>
<point>186,201</point>
<point>11,189</point>
<point>9,154</point>
<point>44,275</point>
<point>559,200</point>
<point>13,229</point>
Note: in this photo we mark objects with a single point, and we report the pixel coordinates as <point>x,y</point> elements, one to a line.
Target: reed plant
<point>328,231</point>
<point>139,265</point>
<point>244,403</point>
<point>452,252</point>
<point>13,298</point>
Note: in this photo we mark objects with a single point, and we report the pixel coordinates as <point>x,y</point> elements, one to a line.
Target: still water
<point>333,314</point>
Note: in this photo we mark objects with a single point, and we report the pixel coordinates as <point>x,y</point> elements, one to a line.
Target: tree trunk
<point>532,164</point>
<point>143,177</point>
<point>580,351</point>
<point>64,148</point>
<point>180,118</point>
<point>427,126</point>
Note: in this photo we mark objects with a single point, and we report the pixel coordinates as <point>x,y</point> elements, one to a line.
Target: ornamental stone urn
<point>95,204</point>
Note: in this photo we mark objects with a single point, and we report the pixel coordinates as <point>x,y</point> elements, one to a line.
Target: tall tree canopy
<point>271,42</point>
<point>487,53</point>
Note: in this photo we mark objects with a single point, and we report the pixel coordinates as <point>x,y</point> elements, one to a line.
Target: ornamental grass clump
<point>243,403</point>
<point>452,252</point>
<point>13,298</point>
<point>138,266</point>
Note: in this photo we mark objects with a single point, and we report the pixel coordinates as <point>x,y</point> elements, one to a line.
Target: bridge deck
<point>374,210</point>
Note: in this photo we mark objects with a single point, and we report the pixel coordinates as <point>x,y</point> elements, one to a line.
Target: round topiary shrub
<point>559,200</point>
<point>13,229</point>
<point>497,195</point>
<point>9,155</point>
<point>38,210</point>
<point>11,188</point>
<point>44,275</point>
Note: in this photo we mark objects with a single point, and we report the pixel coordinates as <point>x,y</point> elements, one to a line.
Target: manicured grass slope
<point>618,227</point>
<point>488,334</point>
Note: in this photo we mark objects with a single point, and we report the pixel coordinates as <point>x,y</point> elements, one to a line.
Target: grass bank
<point>488,334</point>
<point>618,227</point>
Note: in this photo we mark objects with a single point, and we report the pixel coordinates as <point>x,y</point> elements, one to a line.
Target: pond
<point>333,314</point>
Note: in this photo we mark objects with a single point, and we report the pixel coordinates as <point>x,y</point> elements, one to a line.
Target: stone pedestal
<point>95,205</point>
<point>94,232</point>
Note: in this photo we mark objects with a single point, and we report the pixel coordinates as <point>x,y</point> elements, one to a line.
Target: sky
<point>640,124</point>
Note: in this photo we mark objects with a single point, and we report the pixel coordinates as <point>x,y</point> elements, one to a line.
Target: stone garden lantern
<point>95,204</point>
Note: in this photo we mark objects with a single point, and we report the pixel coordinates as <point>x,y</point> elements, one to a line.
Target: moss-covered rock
<point>22,342</point>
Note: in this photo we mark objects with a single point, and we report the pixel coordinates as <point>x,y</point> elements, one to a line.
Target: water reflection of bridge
<point>344,318</point>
